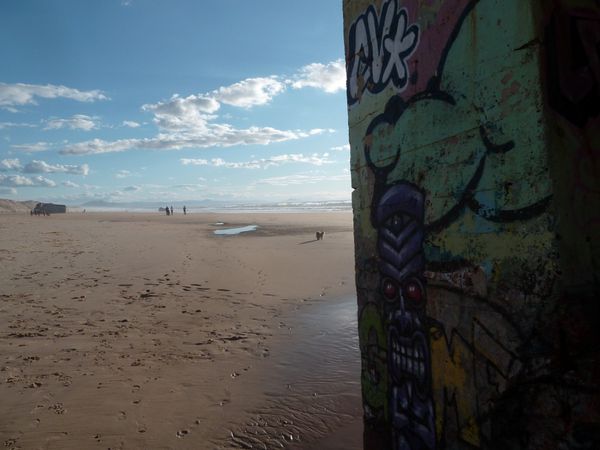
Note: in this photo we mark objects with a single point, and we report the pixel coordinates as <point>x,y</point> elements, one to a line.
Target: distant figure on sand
<point>171,209</point>
<point>184,210</point>
<point>167,211</point>
<point>319,235</point>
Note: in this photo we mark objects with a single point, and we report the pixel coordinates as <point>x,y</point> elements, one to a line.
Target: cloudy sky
<point>128,100</point>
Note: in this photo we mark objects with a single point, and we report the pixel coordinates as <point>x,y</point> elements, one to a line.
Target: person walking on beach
<point>171,209</point>
<point>167,211</point>
<point>184,210</point>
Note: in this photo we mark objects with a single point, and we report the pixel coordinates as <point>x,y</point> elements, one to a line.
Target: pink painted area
<point>433,37</point>
<point>507,78</point>
<point>509,91</point>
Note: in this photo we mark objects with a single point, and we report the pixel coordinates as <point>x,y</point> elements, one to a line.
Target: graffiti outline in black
<point>378,50</point>
<point>401,417</point>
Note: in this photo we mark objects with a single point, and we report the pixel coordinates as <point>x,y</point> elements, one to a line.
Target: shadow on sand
<point>307,242</point>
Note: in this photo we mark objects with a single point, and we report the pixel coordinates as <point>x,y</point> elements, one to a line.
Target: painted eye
<point>413,292</point>
<point>390,289</point>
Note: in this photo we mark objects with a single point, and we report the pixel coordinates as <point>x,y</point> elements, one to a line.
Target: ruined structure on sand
<point>475,149</point>
<point>50,208</point>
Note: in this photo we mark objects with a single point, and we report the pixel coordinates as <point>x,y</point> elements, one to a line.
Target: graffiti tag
<point>378,50</point>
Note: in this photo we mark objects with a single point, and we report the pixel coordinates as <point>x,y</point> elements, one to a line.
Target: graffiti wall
<point>475,144</point>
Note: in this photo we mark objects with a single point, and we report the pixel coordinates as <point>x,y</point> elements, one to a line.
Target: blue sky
<point>151,100</point>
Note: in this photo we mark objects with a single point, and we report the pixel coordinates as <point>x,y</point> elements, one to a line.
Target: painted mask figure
<point>399,216</point>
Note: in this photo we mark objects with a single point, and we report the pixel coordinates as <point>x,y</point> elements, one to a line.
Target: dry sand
<point>124,330</point>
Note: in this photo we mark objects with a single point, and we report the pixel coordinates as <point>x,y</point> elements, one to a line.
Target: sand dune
<point>147,331</point>
<point>11,206</point>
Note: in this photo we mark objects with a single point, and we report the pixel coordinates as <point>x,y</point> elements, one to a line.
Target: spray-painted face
<point>407,341</point>
<point>401,263</point>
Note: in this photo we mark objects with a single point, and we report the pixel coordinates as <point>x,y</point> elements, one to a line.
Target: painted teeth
<point>408,359</point>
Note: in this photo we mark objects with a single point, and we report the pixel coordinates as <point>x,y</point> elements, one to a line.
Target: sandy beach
<point>141,331</point>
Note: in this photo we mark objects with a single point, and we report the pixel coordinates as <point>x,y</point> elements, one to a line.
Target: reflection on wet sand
<point>315,398</point>
<point>237,230</point>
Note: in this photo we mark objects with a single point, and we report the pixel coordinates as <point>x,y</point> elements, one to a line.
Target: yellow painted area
<point>452,380</point>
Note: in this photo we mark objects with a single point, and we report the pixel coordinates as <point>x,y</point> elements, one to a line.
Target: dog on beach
<point>319,235</point>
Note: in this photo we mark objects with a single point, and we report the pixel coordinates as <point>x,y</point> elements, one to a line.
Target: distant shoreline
<point>13,206</point>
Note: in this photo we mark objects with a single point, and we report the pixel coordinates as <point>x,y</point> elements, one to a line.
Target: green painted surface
<point>485,117</point>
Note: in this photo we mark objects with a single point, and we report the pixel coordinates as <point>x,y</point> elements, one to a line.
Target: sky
<point>155,100</point>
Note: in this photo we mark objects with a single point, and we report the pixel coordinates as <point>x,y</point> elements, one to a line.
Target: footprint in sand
<point>182,433</point>
<point>58,408</point>
<point>11,444</point>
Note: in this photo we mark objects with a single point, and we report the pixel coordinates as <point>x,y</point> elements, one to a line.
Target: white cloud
<point>214,135</point>
<point>300,179</point>
<point>10,164</point>
<point>263,163</point>
<point>76,122</point>
<point>313,159</point>
<point>7,190</point>
<point>21,181</point>
<point>70,184</point>
<point>194,162</point>
<point>250,92</point>
<point>19,94</point>
<point>123,174</point>
<point>33,148</point>
<point>195,111</point>
<point>316,131</point>
<point>41,181</point>
<point>184,113</point>
<point>36,166</point>
<point>189,187</point>
<point>188,122</point>
<point>132,188</point>
<point>4,125</point>
<point>192,113</point>
<point>96,146</point>
<point>218,162</point>
<point>329,77</point>
<point>341,148</point>
<point>130,124</point>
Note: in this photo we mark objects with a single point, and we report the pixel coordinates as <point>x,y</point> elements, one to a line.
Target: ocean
<point>288,207</point>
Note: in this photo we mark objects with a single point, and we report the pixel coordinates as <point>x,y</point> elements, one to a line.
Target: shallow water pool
<point>233,231</point>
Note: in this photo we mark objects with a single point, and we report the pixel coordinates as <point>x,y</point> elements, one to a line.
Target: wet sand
<point>145,331</point>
